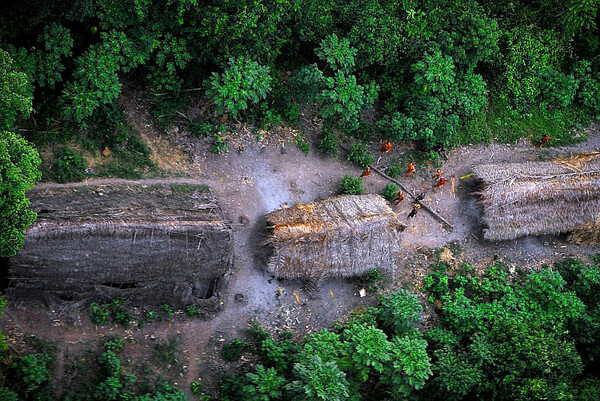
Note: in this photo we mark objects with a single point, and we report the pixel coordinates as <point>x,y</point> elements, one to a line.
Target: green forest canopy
<point>441,72</point>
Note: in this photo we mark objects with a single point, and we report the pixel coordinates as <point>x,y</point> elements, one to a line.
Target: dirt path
<point>254,179</point>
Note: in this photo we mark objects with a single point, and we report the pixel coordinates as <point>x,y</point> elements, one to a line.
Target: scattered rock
<point>239,297</point>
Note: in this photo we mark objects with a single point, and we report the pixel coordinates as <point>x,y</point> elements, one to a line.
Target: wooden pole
<point>423,205</point>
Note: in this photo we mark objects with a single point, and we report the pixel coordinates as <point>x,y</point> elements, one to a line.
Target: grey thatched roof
<point>341,236</point>
<point>151,245</point>
<point>536,198</point>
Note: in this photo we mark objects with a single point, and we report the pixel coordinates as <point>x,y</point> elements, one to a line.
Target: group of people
<point>438,179</point>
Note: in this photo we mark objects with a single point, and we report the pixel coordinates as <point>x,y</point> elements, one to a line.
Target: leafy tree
<point>95,81</point>
<point>249,28</point>
<point>15,93</point>
<point>58,44</point>
<point>340,95</point>
<point>242,83</point>
<point>319,381</point>
<point>410,366</point>
<point>264,385</point>
<point>530,54</point>
<point>367,348</point>
<point>399,311</point>
<point>18,172</point>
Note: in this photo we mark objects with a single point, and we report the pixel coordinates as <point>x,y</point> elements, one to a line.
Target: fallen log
<point>403,188</point>
<point>423,205</point>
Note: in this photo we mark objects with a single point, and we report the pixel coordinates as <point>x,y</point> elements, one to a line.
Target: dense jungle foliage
<point>502,334</point>
<point>441,72</point>
<point>506,334</point>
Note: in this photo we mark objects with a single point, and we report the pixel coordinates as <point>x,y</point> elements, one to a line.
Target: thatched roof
<point>536,198</point>
<point>151,245</point>
<point>341,236</point>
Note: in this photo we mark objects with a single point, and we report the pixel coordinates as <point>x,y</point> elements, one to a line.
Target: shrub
<point>166,311</point>
<point>192,311</point>
<point>98,314</point>
<point>69,166</point>
<point>359,154</point>
<point>33,371</point>
<point>329,143</point>
<point>243,82</point>
<point>390,191</point>
<point>395,170</point>
<point>302,144</point>
<point>220,145</point>
<point>233,350</point>
<point>351,186</point>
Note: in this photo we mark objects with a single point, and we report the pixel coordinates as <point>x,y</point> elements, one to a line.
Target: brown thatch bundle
<point>340,236</point>
<point>151,245</point>
<point>536,198</point>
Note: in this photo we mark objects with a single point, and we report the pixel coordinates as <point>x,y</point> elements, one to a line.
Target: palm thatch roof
<point>537,198</point>
<point>151,245</point>
<point>340,236</point>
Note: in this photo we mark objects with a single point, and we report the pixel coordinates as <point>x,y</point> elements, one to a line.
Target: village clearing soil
<point>256,177</point>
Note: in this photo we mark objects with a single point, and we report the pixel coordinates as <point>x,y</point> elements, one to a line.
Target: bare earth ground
<point>255,178</point>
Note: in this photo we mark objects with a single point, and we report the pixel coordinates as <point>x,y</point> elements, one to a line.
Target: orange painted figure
<point>399,197</point>
<point>542,141</point>
<point>441,181</point>
<point>366,172</point>
<point>410,169</point>
<point>387,146</point>
<point>437,175</point>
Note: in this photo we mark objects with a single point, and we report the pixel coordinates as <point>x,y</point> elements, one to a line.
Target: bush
<point>220,145</point>
<point>329,143</point>
<point>359,154</point>
<point>233,350</point>
<point>33,371</point>
<point>351,186</point>
<point>390,191</point>
<point>98,314</point>
<point>194,312</point>
<point>69,166</point>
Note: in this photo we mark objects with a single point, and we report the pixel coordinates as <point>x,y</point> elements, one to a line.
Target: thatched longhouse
<point>341,236</point>
<point>150,245</point>
<point>537,198</point>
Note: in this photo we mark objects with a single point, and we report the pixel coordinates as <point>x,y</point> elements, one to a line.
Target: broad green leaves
<point>15,93</point>
<point>242,83</point>
<point>18,172</point>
